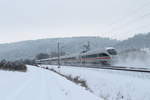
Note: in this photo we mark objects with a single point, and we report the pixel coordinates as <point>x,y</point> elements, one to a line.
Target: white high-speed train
<point>106,56</point>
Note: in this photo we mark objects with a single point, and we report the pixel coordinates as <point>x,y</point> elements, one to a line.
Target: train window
<point>89,56</point>
<point>112,51</point>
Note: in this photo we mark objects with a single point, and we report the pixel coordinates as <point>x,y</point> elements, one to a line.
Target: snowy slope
<point>40,84</point>
<point>112,85</point>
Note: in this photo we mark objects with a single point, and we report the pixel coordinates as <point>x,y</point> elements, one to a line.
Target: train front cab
<point>113,54</point>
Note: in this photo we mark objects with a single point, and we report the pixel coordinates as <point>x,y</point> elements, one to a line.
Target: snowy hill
<point>28,49</point>
<point>136,42</point>
<point>40,84</point>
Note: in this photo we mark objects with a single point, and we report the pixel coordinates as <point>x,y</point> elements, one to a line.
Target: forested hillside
<point>29,49</point>
<point>136,42</point>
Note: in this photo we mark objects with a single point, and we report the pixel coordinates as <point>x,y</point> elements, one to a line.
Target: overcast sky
<point>33,19</point>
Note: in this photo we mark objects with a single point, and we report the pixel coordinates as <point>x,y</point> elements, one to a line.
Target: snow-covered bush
<point>13,66</point>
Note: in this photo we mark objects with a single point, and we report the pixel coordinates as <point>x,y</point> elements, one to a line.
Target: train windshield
<point>103,55</point>
<point>112,51</point>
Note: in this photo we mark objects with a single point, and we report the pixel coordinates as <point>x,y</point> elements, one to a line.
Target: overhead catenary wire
<point>131,21</point>
<point>138,28</point>
<point>134,21</point>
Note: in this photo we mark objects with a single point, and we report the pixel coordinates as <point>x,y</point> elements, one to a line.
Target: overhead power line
<point>128,16</point>
<point>133,21</point>
<point>138,28</point>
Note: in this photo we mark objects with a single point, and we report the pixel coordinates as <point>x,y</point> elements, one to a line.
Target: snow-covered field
<point>40,84</point>
<point>112,85</point>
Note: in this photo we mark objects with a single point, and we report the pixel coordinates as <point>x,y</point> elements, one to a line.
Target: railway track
<point>121,68</point>
<point>133,69</point>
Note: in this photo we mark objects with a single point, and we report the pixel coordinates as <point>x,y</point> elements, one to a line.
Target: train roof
<point>97,51</point>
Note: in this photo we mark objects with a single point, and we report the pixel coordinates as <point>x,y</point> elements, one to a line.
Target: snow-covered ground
<point>130,62</point>
<point>139,58</point>
<point>112,85</point>
<point>40,84</point>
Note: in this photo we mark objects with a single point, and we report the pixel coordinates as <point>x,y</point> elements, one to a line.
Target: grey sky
<point>33,19</point>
